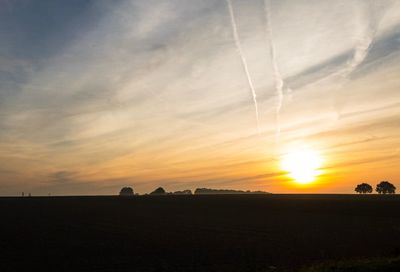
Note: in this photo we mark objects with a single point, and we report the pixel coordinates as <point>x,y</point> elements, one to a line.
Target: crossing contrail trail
<point>243,59</point>
<point>275,69</point>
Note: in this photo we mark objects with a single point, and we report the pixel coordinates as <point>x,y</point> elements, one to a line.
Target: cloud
<point>145,86</point>
<point>63,176</point>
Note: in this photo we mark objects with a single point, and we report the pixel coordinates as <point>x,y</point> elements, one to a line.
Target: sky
<point>97,95</point>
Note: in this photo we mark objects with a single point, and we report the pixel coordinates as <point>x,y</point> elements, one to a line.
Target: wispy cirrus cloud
<point>132,90</point>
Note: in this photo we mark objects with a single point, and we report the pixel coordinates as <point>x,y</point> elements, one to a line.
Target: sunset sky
<point>96,95</point>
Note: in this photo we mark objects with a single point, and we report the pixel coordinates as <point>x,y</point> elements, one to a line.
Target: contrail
<point>276,72</point>
<point>372,15</point>
<point>362,47</point>
<point>243,59</point>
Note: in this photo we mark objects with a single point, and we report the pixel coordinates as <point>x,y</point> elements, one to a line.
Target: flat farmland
<point>195,233</point>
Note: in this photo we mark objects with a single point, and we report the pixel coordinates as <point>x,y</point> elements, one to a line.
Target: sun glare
<point>302,165</point>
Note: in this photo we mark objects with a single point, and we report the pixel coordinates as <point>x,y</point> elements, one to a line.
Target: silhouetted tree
<point>158,191</point>
<point>363,188</point>
<point>184,192</point>
<point>385,187</point>
<point>126,191</point>
<point>207,191</point>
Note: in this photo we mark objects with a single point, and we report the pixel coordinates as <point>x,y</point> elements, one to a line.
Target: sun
<point>302,165</point>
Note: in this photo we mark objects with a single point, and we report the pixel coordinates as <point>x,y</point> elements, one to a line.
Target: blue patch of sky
<point>34,30</point>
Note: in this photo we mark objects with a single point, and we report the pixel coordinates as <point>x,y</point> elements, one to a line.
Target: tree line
<point>384,187</point>
<point>128,191</point>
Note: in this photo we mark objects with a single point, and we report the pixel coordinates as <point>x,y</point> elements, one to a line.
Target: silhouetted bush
<point>385,187</point>
<point>126,191</point>
<point>363,188</point>
<point>184,192</point>
<point>158,191</point>
<point>207,191</point>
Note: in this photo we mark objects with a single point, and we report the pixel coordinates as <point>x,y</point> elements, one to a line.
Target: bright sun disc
<point>302,165</point>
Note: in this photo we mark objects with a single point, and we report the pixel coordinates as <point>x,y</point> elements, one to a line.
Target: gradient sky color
<point>96,95</point>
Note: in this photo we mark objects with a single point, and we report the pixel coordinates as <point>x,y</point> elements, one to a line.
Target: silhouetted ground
<point>195,233</point>
<point>361,265</point>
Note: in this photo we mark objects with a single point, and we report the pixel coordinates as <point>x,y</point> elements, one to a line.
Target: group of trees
<point>384,187</point>
<point>207,191</point>
<point>128,191</point>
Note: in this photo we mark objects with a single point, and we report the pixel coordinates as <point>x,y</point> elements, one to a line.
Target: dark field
<point>195,233</point>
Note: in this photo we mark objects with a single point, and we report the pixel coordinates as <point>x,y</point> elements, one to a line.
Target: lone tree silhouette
<point>126,191</point>
<point>385,187</point>
<point>158,191</point>
<point>363,188</point>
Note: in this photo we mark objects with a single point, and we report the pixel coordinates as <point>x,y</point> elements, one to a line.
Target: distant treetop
<point>363,188</point>
<point>385,187</point>
<point>126,191</point>
<point>158,191</point>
